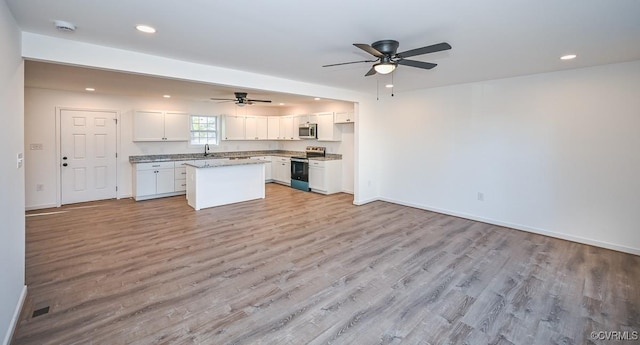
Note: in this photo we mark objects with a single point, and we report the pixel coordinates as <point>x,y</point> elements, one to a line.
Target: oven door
<point>300,170</point>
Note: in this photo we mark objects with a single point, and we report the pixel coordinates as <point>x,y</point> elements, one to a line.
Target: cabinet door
<point>148,126</point>
<point>316,178</point>
<point>234,127</point>
<point>327,130</point>
<point>250,128</point>
<point>255,128</point>
<point>176,126</point>
<point>286,128</point>
<point>273,127</point>
<point>344,117</point>
<point>165,181</point>
<point>145,183</point>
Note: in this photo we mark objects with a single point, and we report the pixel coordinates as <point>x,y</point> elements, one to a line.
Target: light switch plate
<point>35,146</point>
<point>20,160</point>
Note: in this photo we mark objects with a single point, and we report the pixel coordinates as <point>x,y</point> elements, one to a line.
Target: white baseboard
<point>40,207</point>
<point>16,316</point>
<point>365,201</point>
<point>521,227</point>
<point>347,191</point>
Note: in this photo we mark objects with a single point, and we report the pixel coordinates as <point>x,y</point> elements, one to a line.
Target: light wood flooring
<point>303,268</point>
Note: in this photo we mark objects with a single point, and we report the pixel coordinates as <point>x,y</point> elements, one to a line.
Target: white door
<point>88,155</point>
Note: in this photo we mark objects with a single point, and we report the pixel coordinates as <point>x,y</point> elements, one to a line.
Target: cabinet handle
<point>156,166</point>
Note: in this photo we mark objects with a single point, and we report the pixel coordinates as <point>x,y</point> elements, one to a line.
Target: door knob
<point>65,157</point>
<point>64,164</point>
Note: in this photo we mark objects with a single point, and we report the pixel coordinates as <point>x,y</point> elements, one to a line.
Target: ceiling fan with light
<point>241,99</point>
<point>387,58</point>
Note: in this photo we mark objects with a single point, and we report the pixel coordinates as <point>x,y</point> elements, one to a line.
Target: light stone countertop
<point>222,155</point>
<point>226,163</point>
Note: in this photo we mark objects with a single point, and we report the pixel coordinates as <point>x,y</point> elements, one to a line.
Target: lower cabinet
<point>268,176</point>
<point>151,180</point>
<point>325,176</point>
<point>281,170</point>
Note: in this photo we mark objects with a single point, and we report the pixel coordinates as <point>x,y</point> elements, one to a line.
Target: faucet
<point>206,150</point>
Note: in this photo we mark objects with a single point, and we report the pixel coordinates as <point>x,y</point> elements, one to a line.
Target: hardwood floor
<point>303,268</point>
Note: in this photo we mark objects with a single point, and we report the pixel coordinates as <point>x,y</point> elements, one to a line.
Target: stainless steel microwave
<point>308,131</point>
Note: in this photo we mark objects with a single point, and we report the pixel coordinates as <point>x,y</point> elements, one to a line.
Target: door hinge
<point>116,154</point>
<point>116,188</point>
<point>116,121</point>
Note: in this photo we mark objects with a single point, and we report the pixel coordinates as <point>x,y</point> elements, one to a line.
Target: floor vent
<point>40,311</point>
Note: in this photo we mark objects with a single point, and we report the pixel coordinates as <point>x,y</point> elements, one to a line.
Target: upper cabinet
<point>289,127</point>
<point>327,130</point>
<point>273,127</point>
<point>306,119</point>
<point>344,117</point>
<point>233,127</point>
<point>160,126</point>
<point>256,128</point>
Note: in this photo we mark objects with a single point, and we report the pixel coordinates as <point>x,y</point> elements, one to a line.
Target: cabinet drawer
<point>181,173</point>
<point>154,165</point>
<point>180,164</point>
<point>282,159</point>
<point>180,185</point>
<point>319,164</point>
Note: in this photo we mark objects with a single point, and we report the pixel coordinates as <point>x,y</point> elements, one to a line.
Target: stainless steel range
<point>300,167</point>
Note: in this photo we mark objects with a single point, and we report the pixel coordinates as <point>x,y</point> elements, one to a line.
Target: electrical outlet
<point>20,160</point>
<point>480,196</point>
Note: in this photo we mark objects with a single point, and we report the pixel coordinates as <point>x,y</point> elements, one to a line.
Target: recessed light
<point>281,103</point>
<point>166,96</point>
<point>146,29</point>
<point>568,57</point>
<point>316,99</point>
<point>389,85</point>
<point>89,89</point>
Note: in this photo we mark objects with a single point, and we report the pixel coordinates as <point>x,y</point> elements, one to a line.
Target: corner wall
<point>553,153</point>
<point>12,225</point>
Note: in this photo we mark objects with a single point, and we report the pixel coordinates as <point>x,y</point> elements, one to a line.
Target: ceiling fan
<point>241,99</point>
<point>387,59</point>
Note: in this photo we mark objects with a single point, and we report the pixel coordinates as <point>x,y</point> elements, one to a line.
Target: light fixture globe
<point>385,67</point>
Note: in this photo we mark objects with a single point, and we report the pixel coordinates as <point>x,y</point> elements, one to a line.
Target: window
<point>204,130</point>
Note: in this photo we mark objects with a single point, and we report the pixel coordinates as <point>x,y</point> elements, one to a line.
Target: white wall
<point>554,153</point>
<point>12,226</point>
<point>45,48</point>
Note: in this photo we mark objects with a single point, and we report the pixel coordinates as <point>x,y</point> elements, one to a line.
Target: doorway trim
<point>59,147</point>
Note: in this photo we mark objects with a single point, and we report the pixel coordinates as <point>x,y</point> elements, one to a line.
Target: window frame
<point>216,131</point>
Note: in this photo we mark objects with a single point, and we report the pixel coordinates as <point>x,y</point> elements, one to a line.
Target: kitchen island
<point>225,182</point>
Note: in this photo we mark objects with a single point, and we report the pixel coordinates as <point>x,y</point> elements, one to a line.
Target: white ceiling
<point>491,39</point>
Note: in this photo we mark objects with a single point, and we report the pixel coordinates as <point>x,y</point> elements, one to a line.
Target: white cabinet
<point>152,180</point>
<point>286,127</point>
<point>160,126</point>
<point>281,170</point>
<point>325,176</point>
<point>256,128</point>
<point>307,118</point>
<point>180,174</point>
<point>327,130</point>
<point>233,128</point>
<point>273,127</point>
<point>267,167</point>
<point>343,117</point>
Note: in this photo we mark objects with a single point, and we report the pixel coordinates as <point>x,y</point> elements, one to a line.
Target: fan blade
<point>419,64</point>
<point>372,71</point>
<point>258,100</point>
<point>222,99</point>
<point>369,49</point>
<point>424,50</point>
<point>347,63</point>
